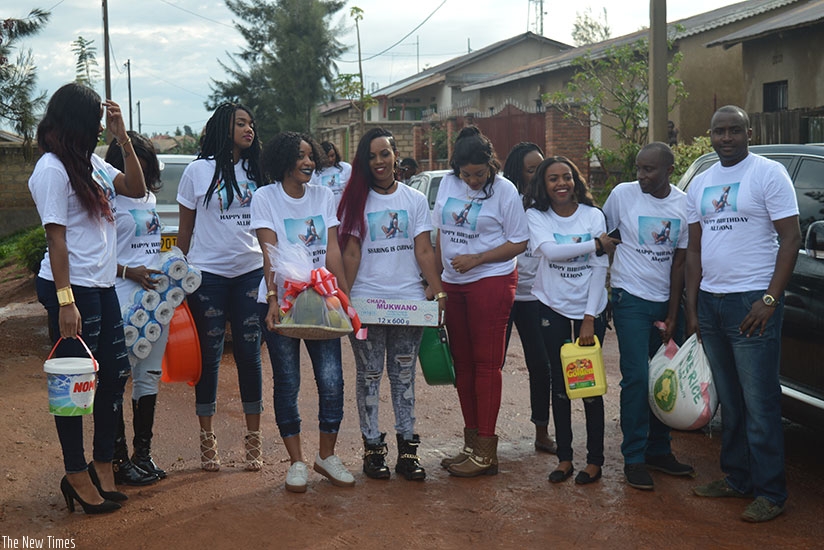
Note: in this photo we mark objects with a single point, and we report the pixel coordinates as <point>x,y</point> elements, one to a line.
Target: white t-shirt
<point>305,221</point>
<point>388,267</point>
<point>138,231</point>
<point>469,225</point>
<point>527,270</point>
<point>736,207</point>
<point>565,284</point>
<point>334,178</point>
<point>651,229</point>
<point>223,242</point>
<point>90,241</point>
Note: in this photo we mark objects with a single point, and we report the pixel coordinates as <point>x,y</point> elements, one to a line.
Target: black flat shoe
<point>583,478</point>
<point>127,472</point>
<point>557,476</point>
<point>116,496</point>
<point>70,495</point>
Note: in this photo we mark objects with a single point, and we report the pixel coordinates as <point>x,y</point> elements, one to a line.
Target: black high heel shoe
<point>70,494</point>
<point>109,495</point>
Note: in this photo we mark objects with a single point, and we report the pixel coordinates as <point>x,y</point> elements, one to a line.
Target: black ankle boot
<point>409,465</point>
<point>125,472</point>
<point>374,459</point>
<point>144,413</point>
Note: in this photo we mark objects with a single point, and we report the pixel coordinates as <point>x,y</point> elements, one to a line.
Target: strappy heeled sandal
<point>209,459</point>
<point>254,455</point>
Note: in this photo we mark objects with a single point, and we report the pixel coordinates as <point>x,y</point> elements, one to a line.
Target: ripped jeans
<point>103,333</point>
<point>234,299</point>
<point>397,347</point>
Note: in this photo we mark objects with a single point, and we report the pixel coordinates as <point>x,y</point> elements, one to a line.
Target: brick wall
<point>568,138</point>
<point>17,209</point>
<point>407,137</point>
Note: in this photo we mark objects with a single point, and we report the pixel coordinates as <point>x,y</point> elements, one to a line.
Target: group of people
<point>522,244</point>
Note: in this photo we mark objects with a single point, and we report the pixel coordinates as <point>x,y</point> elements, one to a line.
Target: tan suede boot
<point>470,434</point>
<point>482,461</point>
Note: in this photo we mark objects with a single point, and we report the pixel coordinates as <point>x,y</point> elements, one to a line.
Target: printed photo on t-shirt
<point>661,231</point>
<point>332,181</point>
<point>461,213</point>
<point>101,177</point>
<point>244,198</point>
<point>388,224</point>
<point>720,198</point>
<point>309,231</point>
<point>146,222</point>
<point>573,239</point>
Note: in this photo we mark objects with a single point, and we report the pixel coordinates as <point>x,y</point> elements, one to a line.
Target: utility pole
<point>139,125</point>
<point>107,70</point>
<point>658,83</point>
<point>129,80</point>
<point>418,51</point>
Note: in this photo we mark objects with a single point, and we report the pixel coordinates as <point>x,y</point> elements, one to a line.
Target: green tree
<point>85,68</point>
<point>287,65</point>
<point>589,29</point>
<point>611,89</point>
<point>18,102</point>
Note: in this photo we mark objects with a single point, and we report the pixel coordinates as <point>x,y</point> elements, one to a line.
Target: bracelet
<point>121,144</point>
<point>123,275</point>
<point>65,296</point>
<point>270,294</point>
<point>440,295</point>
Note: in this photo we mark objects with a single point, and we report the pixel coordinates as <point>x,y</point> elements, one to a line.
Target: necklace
<point>383,190</point>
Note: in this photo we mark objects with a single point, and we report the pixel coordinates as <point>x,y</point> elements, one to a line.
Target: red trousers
<point>476,317</point>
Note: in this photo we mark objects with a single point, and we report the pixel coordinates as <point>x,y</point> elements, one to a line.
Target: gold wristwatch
<point>65,296</point>
<point>769,301</point>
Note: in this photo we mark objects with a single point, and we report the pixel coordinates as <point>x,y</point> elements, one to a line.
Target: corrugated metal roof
<point>688,27</point>
<point>802,16</point>
<point>411,83</point>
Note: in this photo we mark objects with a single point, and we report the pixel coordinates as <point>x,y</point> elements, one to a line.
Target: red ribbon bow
<point>326,284</point>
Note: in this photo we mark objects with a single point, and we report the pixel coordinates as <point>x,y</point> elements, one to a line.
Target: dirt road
<point>233,508</point>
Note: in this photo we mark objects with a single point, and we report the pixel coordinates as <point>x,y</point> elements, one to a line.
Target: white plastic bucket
<point>71,382</point>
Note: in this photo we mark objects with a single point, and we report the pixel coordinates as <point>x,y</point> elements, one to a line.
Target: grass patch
<point>25,248</point>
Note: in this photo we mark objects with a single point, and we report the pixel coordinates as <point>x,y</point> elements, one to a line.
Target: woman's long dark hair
<point>329,146</point>
<point>281,154</point>
<point>353,200</point>
<point>145,151</point>
<point>472,147</point>
<point>536,195</point>
<point>69,130</point>
<point>514,165</point>
<point>217,143</point>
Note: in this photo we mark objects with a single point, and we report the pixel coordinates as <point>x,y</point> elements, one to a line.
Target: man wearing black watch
<point>743,242</point>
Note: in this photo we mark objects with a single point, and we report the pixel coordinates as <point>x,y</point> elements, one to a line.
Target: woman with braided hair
<point>227,252</point>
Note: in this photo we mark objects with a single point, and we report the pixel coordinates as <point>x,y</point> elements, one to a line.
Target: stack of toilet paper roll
<point>149,312</point>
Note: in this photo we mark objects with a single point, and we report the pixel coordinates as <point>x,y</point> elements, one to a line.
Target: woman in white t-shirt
<point>138,247</point>
<point>335,173</point>
<point>74,191</point>
<point>481,229</point>
<point>280,212</point>
<point>519,168</point>
<point>568,232</point>
<point>214,195</point>
<point>385,240</point>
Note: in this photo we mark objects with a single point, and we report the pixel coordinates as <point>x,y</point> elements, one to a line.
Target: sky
<point>174,47</point>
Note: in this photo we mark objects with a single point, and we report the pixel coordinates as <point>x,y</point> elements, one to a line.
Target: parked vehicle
<point>802,341</point>
<point>428,183</point>
<point>171,169</point>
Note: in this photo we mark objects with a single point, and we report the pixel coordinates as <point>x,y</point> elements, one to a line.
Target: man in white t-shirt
<point>743,242</point>
<point>647,280</point>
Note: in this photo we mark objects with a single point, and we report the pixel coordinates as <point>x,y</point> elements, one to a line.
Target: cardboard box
<point>384,311</point>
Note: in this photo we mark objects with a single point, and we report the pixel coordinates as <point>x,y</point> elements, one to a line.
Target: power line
<point>196,14</point>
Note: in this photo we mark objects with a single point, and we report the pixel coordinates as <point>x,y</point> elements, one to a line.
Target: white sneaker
<point>334,470</point>
<point>297,477</point>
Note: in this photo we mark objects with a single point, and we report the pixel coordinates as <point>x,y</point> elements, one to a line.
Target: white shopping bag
<point>681,391</point>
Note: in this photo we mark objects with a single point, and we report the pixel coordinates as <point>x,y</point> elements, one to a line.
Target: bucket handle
<point>94,361</point>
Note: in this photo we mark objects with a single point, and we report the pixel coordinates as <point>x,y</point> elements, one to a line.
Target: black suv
<point>802,337</point>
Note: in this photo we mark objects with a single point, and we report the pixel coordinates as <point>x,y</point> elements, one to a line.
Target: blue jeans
<point>397,348</point>
<point>526,318</point>
<point>556,330</point>
<point>745,372</point>
<point>103,333</point>
<point>234,299</point>
<point>284,353</point>
<point>638,340</point>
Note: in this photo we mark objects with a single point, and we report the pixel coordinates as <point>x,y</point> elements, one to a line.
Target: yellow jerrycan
<point>583,368</point>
